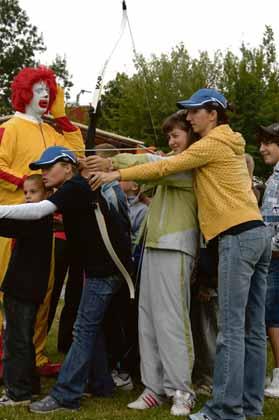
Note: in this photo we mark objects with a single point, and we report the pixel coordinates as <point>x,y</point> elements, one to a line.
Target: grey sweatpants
<point>165,338</point>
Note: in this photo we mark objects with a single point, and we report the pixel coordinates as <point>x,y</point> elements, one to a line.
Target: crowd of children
<point>204,184</point>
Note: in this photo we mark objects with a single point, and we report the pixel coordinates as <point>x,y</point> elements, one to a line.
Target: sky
<point>85,31</point>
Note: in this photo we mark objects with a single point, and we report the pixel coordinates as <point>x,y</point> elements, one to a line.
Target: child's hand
<point>98,164</point>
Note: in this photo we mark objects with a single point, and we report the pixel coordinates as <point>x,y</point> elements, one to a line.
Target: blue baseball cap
<point>52,155</point>
<point>203,97</point>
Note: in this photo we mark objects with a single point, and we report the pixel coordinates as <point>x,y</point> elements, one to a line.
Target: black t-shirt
<point>28,271</point>
<point>75,200</point>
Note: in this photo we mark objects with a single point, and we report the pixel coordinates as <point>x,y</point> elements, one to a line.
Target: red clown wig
<point>23,82</point>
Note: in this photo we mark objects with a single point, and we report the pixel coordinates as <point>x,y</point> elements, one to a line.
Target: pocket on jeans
<point>251,249</point>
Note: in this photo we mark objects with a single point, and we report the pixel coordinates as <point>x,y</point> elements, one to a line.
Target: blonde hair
<point>106,153</point>
<point>38,179</point>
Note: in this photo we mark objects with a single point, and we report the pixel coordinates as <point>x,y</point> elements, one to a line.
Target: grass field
<point>107,409</point>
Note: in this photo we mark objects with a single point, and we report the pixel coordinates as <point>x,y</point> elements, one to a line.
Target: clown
<point>25,136</point>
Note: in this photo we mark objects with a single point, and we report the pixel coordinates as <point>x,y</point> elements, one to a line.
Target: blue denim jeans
<point>240,364</point>
<point>88,341</point>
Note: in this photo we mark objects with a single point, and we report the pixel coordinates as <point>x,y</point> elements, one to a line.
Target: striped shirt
<point>270,206</point>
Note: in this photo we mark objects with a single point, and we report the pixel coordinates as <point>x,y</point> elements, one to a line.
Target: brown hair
<point>222,117</point>
<point>75,168</point>
<point>266,138</point>
<point>178,119</point>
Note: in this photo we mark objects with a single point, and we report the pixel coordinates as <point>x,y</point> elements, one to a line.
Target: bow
<point>95,105</point>
<point>90,144</point>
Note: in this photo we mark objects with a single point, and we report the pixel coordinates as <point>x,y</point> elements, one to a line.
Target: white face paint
<point>39,103</point>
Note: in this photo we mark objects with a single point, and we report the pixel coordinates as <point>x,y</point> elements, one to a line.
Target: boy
<point>24,287</point>
<point>75,200</point>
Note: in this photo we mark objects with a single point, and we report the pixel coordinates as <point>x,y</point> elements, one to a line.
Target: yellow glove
<point>57,109</point>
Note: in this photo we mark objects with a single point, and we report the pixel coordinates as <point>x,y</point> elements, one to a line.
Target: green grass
<point>110,408</point>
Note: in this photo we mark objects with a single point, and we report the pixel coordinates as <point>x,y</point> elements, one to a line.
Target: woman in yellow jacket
<point>23,138</point>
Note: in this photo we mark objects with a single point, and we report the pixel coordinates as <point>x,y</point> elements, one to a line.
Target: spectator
<point>269,149</point>
<point>119,325</point>
<point>204,315</point>
<point>137,212</point>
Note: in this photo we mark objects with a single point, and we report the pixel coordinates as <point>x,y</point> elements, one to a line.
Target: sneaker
<point>272,390</point>
<point>87,392</point>
<point>199,416</point>
<point>183,402</point>
<point>46,405</point>
<point>122,380</point>
<point>147,399</point>
<point>7,401</point>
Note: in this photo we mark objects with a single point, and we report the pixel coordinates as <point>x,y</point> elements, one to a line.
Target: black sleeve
<point>11,228</point>
<point>67,197</point>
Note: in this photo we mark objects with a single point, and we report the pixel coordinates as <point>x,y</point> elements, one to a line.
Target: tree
<point>136,106</point>
<point>19,42</point>
<point>251,82</point>
<point>59,66</point>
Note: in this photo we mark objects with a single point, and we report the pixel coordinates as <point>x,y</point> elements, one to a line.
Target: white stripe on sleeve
<point>27,211</point>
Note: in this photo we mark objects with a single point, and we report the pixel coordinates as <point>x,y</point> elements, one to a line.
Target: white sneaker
<point>122,380</point>
<point>183,402</point>
<point>147,399</point>
<point>7,401</point>
<point>272,390</point>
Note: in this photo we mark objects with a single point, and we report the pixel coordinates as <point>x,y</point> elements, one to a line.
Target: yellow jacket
<point>222,183</point>
<point>22,140</point>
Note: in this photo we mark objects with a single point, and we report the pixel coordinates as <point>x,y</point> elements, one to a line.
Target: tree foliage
<point>19,42</point>
<point>63,77</point>
<point>250,80</point>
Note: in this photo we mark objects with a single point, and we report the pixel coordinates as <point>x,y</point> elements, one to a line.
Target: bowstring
<point>100,79</point>
<point>153,190</point>
<point>145,82</point>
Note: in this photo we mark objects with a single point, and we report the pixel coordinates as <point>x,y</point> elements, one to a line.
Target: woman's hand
<point>100,178</point>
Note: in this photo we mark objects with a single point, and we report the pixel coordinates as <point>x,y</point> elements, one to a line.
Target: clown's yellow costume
<point>22,140</point>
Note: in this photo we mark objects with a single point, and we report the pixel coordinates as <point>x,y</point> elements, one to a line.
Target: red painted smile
<point>43,103</point>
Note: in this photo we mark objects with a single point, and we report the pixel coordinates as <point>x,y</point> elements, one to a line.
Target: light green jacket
<point>172,217</point>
